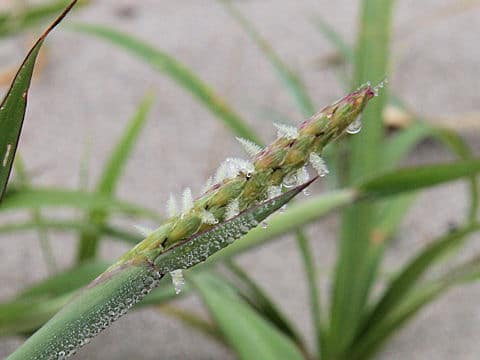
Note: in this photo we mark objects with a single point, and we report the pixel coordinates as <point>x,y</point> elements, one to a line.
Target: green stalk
<point>356,266</point>
<point>89,240</point>
<point>37,219</point>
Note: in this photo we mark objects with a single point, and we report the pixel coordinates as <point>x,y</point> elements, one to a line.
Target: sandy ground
<point>88,90</point>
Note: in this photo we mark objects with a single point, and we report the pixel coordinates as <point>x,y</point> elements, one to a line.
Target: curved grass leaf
<point>112,171</point>
<point>412,273</point>
<point>194,321</point>
<point>354,272</point>
<point>289,78</point>
<point>23,181</point>
<point>335,39</point>
<point>414,178</point>
<point>35,198</point>
<point>249,334</point>
<point>32,15</point>
<point>176,71</point>
<point>368,345</point>
<point>113,293</point>
<point>258,299</point>
<point>73,226</point>
<point>13,106</point>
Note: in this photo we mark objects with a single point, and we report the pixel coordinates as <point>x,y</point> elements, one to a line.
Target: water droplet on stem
<point>355,127</point>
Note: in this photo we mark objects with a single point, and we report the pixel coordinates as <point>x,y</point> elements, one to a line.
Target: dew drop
<point>264,225</point>
<point>290,180</point>
<point>306,192</point>
<point>355,127</point>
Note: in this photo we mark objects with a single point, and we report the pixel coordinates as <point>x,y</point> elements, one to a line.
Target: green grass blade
<point>36,198</point>
<point>117,160</point>
<point>340,45</point>
<point>418,177</point>
<point>194,321</point>
<point>312,279</point>
<point>400,145</point>
<point>424,294</point>
<point>296,216</point>
<point>71,226</point>
<point>122,286</point>
<point>176,71</point>
<point>13,106</point>
<point>111,174</point>
<point>257,298</point>
<point>36,216</point>
<point>457,145</point>
<point>354,270</point>
<point>289,78</point>
<point>408,278</point>
<point>67,281</point>
<point>33,14</point>
<point>249,334</point>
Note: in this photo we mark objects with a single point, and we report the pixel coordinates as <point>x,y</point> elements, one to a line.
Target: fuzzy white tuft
<point>232,210</point>
<point>318,164</point>
<point>290,132</point>
<point>187,200</point>
<point>302,176</point>
<point>208,218</point>
<point>231,167</point>
<point>178,280</point>
<point>171,206</point>
<point>207,185</point>
<point>250,147</point>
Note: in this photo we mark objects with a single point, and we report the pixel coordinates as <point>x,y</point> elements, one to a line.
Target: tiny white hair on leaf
<point>318,164</point>
<point>187,200</point>
<point>178,280</point>
<point>208,185</point>
<point>171,206</point>
<point>250,147</point>
<point>302,176</point>
<point>274,191</point>
<point>143,230</point>
<point>232,209</point>
<point>208,218</point>
<point>290,132</point>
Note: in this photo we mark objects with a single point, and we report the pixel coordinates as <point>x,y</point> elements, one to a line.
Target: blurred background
<point>86,90</point>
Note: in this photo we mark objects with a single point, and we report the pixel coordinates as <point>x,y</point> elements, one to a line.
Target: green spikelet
<point>240,184</point>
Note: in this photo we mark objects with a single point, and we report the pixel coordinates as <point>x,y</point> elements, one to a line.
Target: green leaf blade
<point>250,336</point>
<point>111,174</point>
<point>114,292</point>
<point>13,106</point>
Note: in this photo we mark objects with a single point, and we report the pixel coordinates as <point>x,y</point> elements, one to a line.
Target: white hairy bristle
<point>318,164</point>
<point>290,132</point>
<point>171,206</point>
<point>250,147</point>
<point>143,230</point>
<point>187,200</point>
<point>208,218</point>
<point>232,210</point>
<point>178,280</point>
<point>207,185</point>
<point>231,167</point>
<point>302,176</point>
